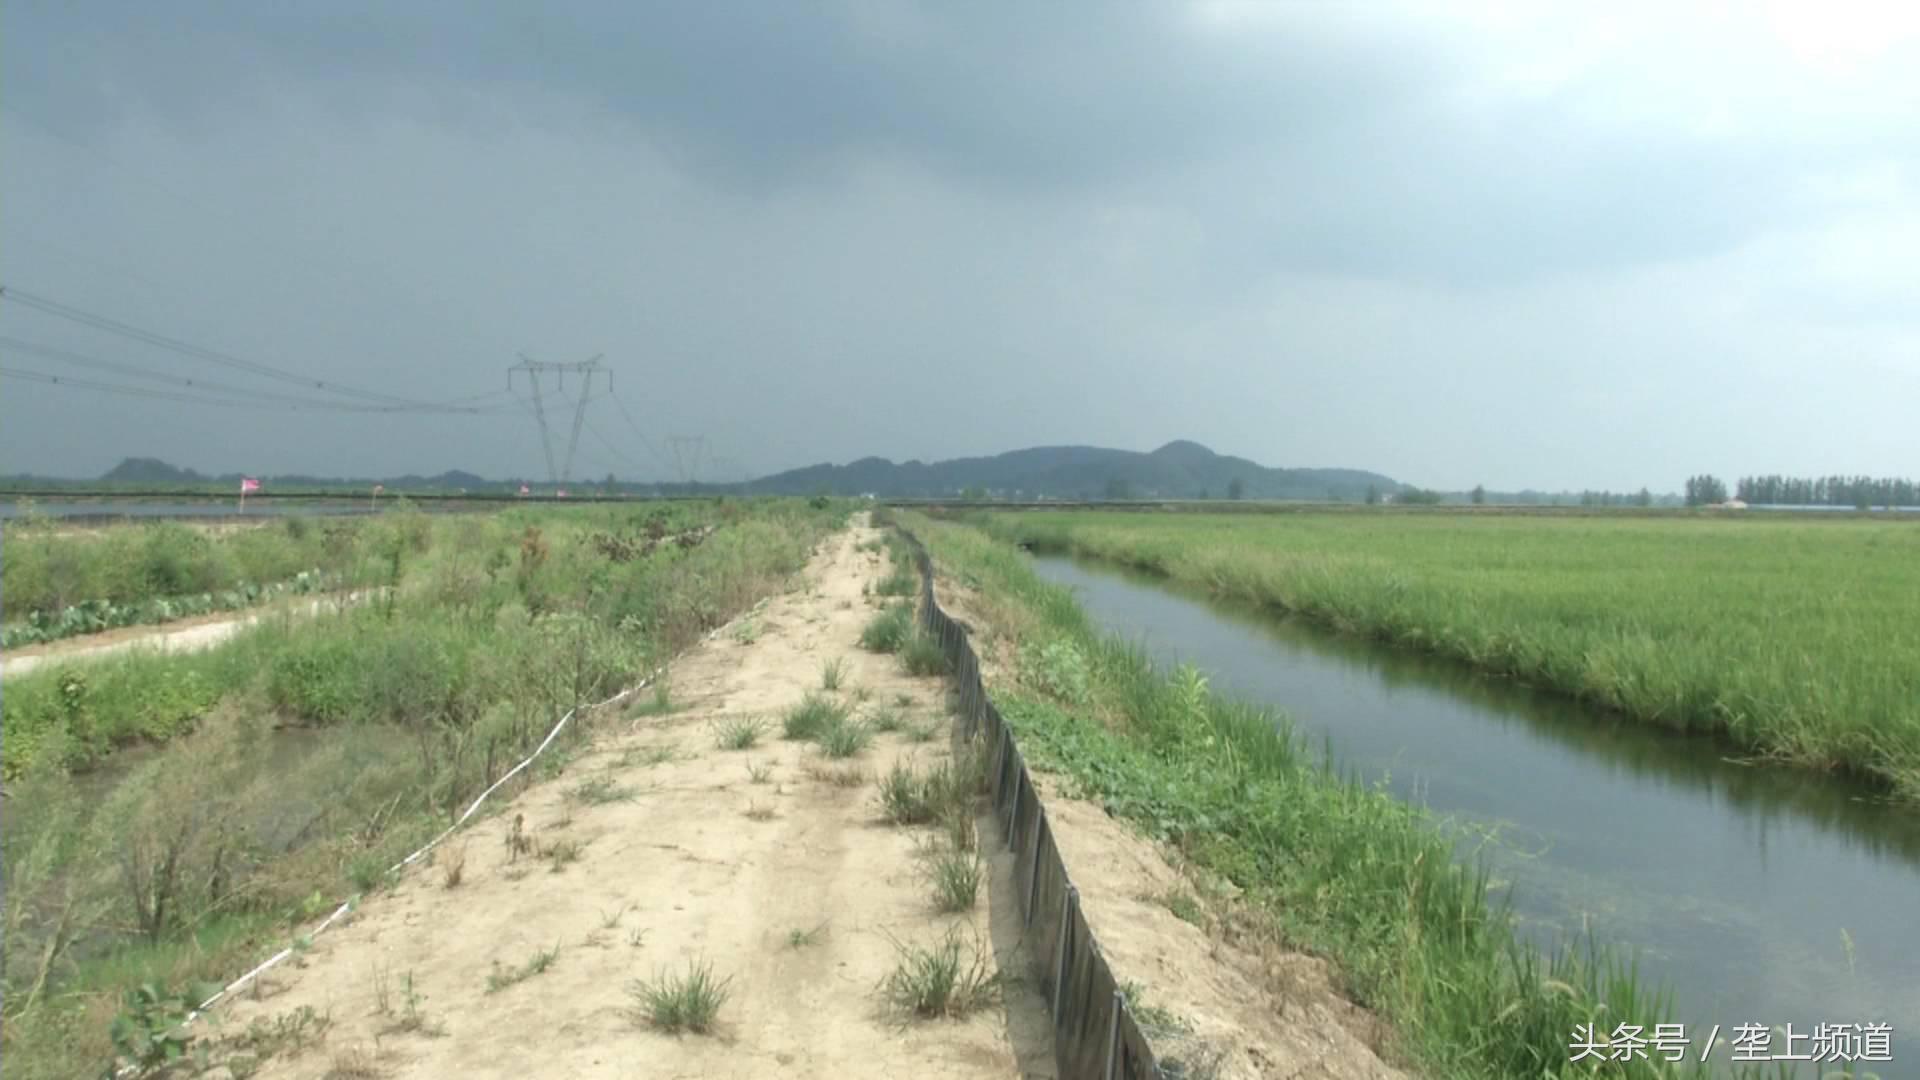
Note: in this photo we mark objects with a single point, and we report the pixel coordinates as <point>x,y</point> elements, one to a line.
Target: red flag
<point>248,483</point>
<point>378,488</point>
<point>562,493</point>
<point>523,489</point>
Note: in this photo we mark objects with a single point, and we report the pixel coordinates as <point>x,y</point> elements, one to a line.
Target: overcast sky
<point>1583,245</point>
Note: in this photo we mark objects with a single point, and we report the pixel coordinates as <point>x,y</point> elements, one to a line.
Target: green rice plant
<point>923,656</point>
<point>832,672</point>
<point>887,631</point>
<point>813,717</point>
<point>739,733</point>
<point>950,979</point>
<point>688,1002</point>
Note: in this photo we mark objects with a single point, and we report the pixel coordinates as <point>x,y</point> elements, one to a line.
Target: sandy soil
<point>700,864</point>
<point>1244,1005</point>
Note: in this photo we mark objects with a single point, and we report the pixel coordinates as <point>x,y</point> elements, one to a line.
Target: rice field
<point>1797,639</point>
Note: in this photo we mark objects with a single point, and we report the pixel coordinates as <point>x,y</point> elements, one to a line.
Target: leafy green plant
<point>148,1033</point>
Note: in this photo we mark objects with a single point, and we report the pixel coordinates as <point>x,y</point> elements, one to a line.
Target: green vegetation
<point>1793,638</point>
<point>922,655</point>
<point>955,875</point>
<point>739,733</point>
<point>813,717</point>
<point>688,1002</point>
<point>845,739</point>
<point>303,757</point>
<point>502,977</point>
<point>1334,868</point>
<point>51,567</point>
<point>950,979</point>
<point>889,630</point>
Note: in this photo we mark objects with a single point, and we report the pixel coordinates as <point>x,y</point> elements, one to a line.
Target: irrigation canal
<point>1755,894</point>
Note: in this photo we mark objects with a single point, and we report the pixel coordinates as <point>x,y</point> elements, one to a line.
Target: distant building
<point>1730,504</point>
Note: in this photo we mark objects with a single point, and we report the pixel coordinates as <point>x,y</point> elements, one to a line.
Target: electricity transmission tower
<point>686,455</point>
<point>536,370</point>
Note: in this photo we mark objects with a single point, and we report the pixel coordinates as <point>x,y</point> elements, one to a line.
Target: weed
<point>887,720</point>
<point>903,700</point>
<point>812,717</point>
<point>910,798</point>
<point>747,632</point>
<point>608,922</point>
<point>453,865</point>
<point>841,776</point>
<point>832,673</point>
<point>800,939</point>
<point>758,811</point>
<point>760,772</point>
<point>950,979</point>
<point>502,977</point>
<point>923,656</point>
<point>562,852</point>
<point>845,739</point>
<point>637,936</point>
<point>688,1002</point>
<point>924,731</point>
<point>648,756</point>
<point>956,879</point>
<point>600,790</point>
<point>354,1063</point>
<point>889,630</point>
<point>1185,907</point>
<point>739,733</point>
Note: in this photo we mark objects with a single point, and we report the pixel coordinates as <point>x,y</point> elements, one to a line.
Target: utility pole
<point>535,370</point>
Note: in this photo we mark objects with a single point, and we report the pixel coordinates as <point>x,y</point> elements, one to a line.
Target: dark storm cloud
<point>1285,229</point>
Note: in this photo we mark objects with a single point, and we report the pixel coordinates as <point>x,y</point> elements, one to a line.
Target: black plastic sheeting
<point>1094,1033</point>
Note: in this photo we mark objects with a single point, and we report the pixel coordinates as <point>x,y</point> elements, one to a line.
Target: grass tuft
<point>956,877</point>
<point>950,979</point>
<point>739,733</point>
<point>845,739</point>
<point>922,655</point>
<point>502,977</point>
<point>813,717</point>
<point>889,630</point>
<point>675,1003</point>
<point>832,673</point>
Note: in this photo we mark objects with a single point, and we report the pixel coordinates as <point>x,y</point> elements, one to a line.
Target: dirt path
<point>788,884</point>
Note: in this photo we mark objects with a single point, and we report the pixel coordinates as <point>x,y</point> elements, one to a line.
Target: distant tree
<point>1236,489</point>
<point>1419,497</point>
<point>1206,493</point>
<point>974,494</point>
<point>1479,495</point>
<point>1643,498</point>
<point>1705,490</point>
<point>610,482</point>
<point>1118,488</point>
<point>1373,495</point>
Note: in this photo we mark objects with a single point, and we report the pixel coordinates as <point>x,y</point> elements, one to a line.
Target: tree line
<point>1860,492</point>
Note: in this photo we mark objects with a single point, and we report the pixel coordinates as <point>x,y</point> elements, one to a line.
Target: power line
<point>48,352</point>
<point>199,352</point>
<point>637,430</point>
<point>130,391</point>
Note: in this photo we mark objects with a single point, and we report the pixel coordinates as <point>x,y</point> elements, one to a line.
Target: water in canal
<point>1757,894</point>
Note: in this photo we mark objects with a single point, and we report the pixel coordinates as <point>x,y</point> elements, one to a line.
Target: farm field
<point>1283,849</point>
<point>168,815</point>
<point>1793,638</point>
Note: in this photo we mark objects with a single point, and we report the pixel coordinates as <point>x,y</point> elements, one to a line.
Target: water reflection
<point>1758,894</point>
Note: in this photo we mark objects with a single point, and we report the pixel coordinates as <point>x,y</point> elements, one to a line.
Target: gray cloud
<point>815,233</point>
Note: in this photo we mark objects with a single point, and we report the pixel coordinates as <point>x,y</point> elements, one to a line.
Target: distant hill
<point>1178,470</point>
